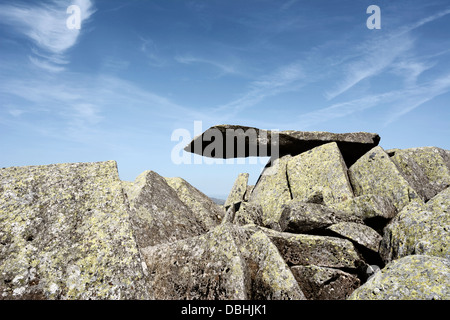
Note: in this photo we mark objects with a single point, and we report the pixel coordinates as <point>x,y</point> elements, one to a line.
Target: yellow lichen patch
<point>74,239</point>
<point>205,210</point>
<point>272,191</point>
<point>374,173</point>
<point>321,169</point>
<point>415,277</point>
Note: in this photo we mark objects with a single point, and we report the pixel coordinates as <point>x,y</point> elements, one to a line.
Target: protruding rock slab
<point>208,213</point>
<point>375,173</point>
<point>65,233</point>
<point>320,283</point>
<point>419,229</point>
<point>427,169</point>
<point>415,277</point>
<point>252,142</point>
<point>367,207</point>
<point>320,169</point>
<point>272,191</point>
<point>238,191</point>
<point>358,233</point>
<point>301,217</point>
<point>228,262</point>
<point>158,215</point>
<point>304,249</point>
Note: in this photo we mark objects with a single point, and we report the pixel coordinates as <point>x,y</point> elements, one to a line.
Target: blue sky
<point>136,71</point>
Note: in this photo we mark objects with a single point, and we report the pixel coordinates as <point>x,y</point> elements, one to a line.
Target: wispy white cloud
<point>150,50</point>
<point>44,23</point>
<point>284,79</point>
<point>377,55</point>
<point>223,67</point>
<point>402,100</point>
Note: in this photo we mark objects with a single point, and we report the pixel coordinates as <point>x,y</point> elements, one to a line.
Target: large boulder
<point>157,213</point>
<point>206,211</point>
<point>323,251</point>
<point>419,229</point>
<point>234,141</point>
<point>415,277</point>
<point>229,262</point>
<point>367,207</point>
<point>272,191</point>
<point>375,173</point>
<point>359,233</point>
<point>66,233</point>
<point>301,217</point>
<point>238,190</point>
<point>427,169</point>
<point>320,169</point>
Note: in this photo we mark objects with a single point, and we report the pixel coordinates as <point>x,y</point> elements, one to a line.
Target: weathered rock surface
<point>415,277</point>
<point>228,262</point>
<point>367,207</point>
<point>321,283</point>
<point>65,233</point>
<point>375,173</point>
<point>320,169</point>
<point>358,233</point>
<point>426,169</point>
<point>238,190</point>
<point>255,142</point>
<point>158,215</point>
<point>301,217</point>
<point>272,191</point>
<point>249,213</point>
<point>419,229</point>
<point>323,251</point>
<point>208,213</point>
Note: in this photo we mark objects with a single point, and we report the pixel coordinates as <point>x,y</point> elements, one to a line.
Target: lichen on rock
<point>321,168</point>
<point>414,277</point>
<point>66,234</point>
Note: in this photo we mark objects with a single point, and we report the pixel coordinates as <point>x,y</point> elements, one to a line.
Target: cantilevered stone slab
<point>234,141</point>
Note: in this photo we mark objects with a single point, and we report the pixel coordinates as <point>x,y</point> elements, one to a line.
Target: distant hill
<point>218,201</point>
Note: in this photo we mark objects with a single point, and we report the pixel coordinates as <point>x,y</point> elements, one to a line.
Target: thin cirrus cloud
<point>45,25</point>
<point>389,50</point>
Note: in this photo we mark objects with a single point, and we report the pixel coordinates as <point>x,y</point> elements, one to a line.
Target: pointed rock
<point>208,213</point>
<point>300,217</point>
<point>238,191</point>
<point>415,277</point>
<point>358,233</point>
<point>321,283</point>
<point>375,173</point>
<point>321,168</point>
<point>419,229</point>
<point>65,233</point>
<point>158,215</point>
<point>426,169</point>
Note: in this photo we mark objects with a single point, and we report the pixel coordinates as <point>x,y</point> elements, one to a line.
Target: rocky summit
<point>332,216</point>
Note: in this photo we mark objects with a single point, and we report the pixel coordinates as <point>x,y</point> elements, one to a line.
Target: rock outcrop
<point>332,216</point>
